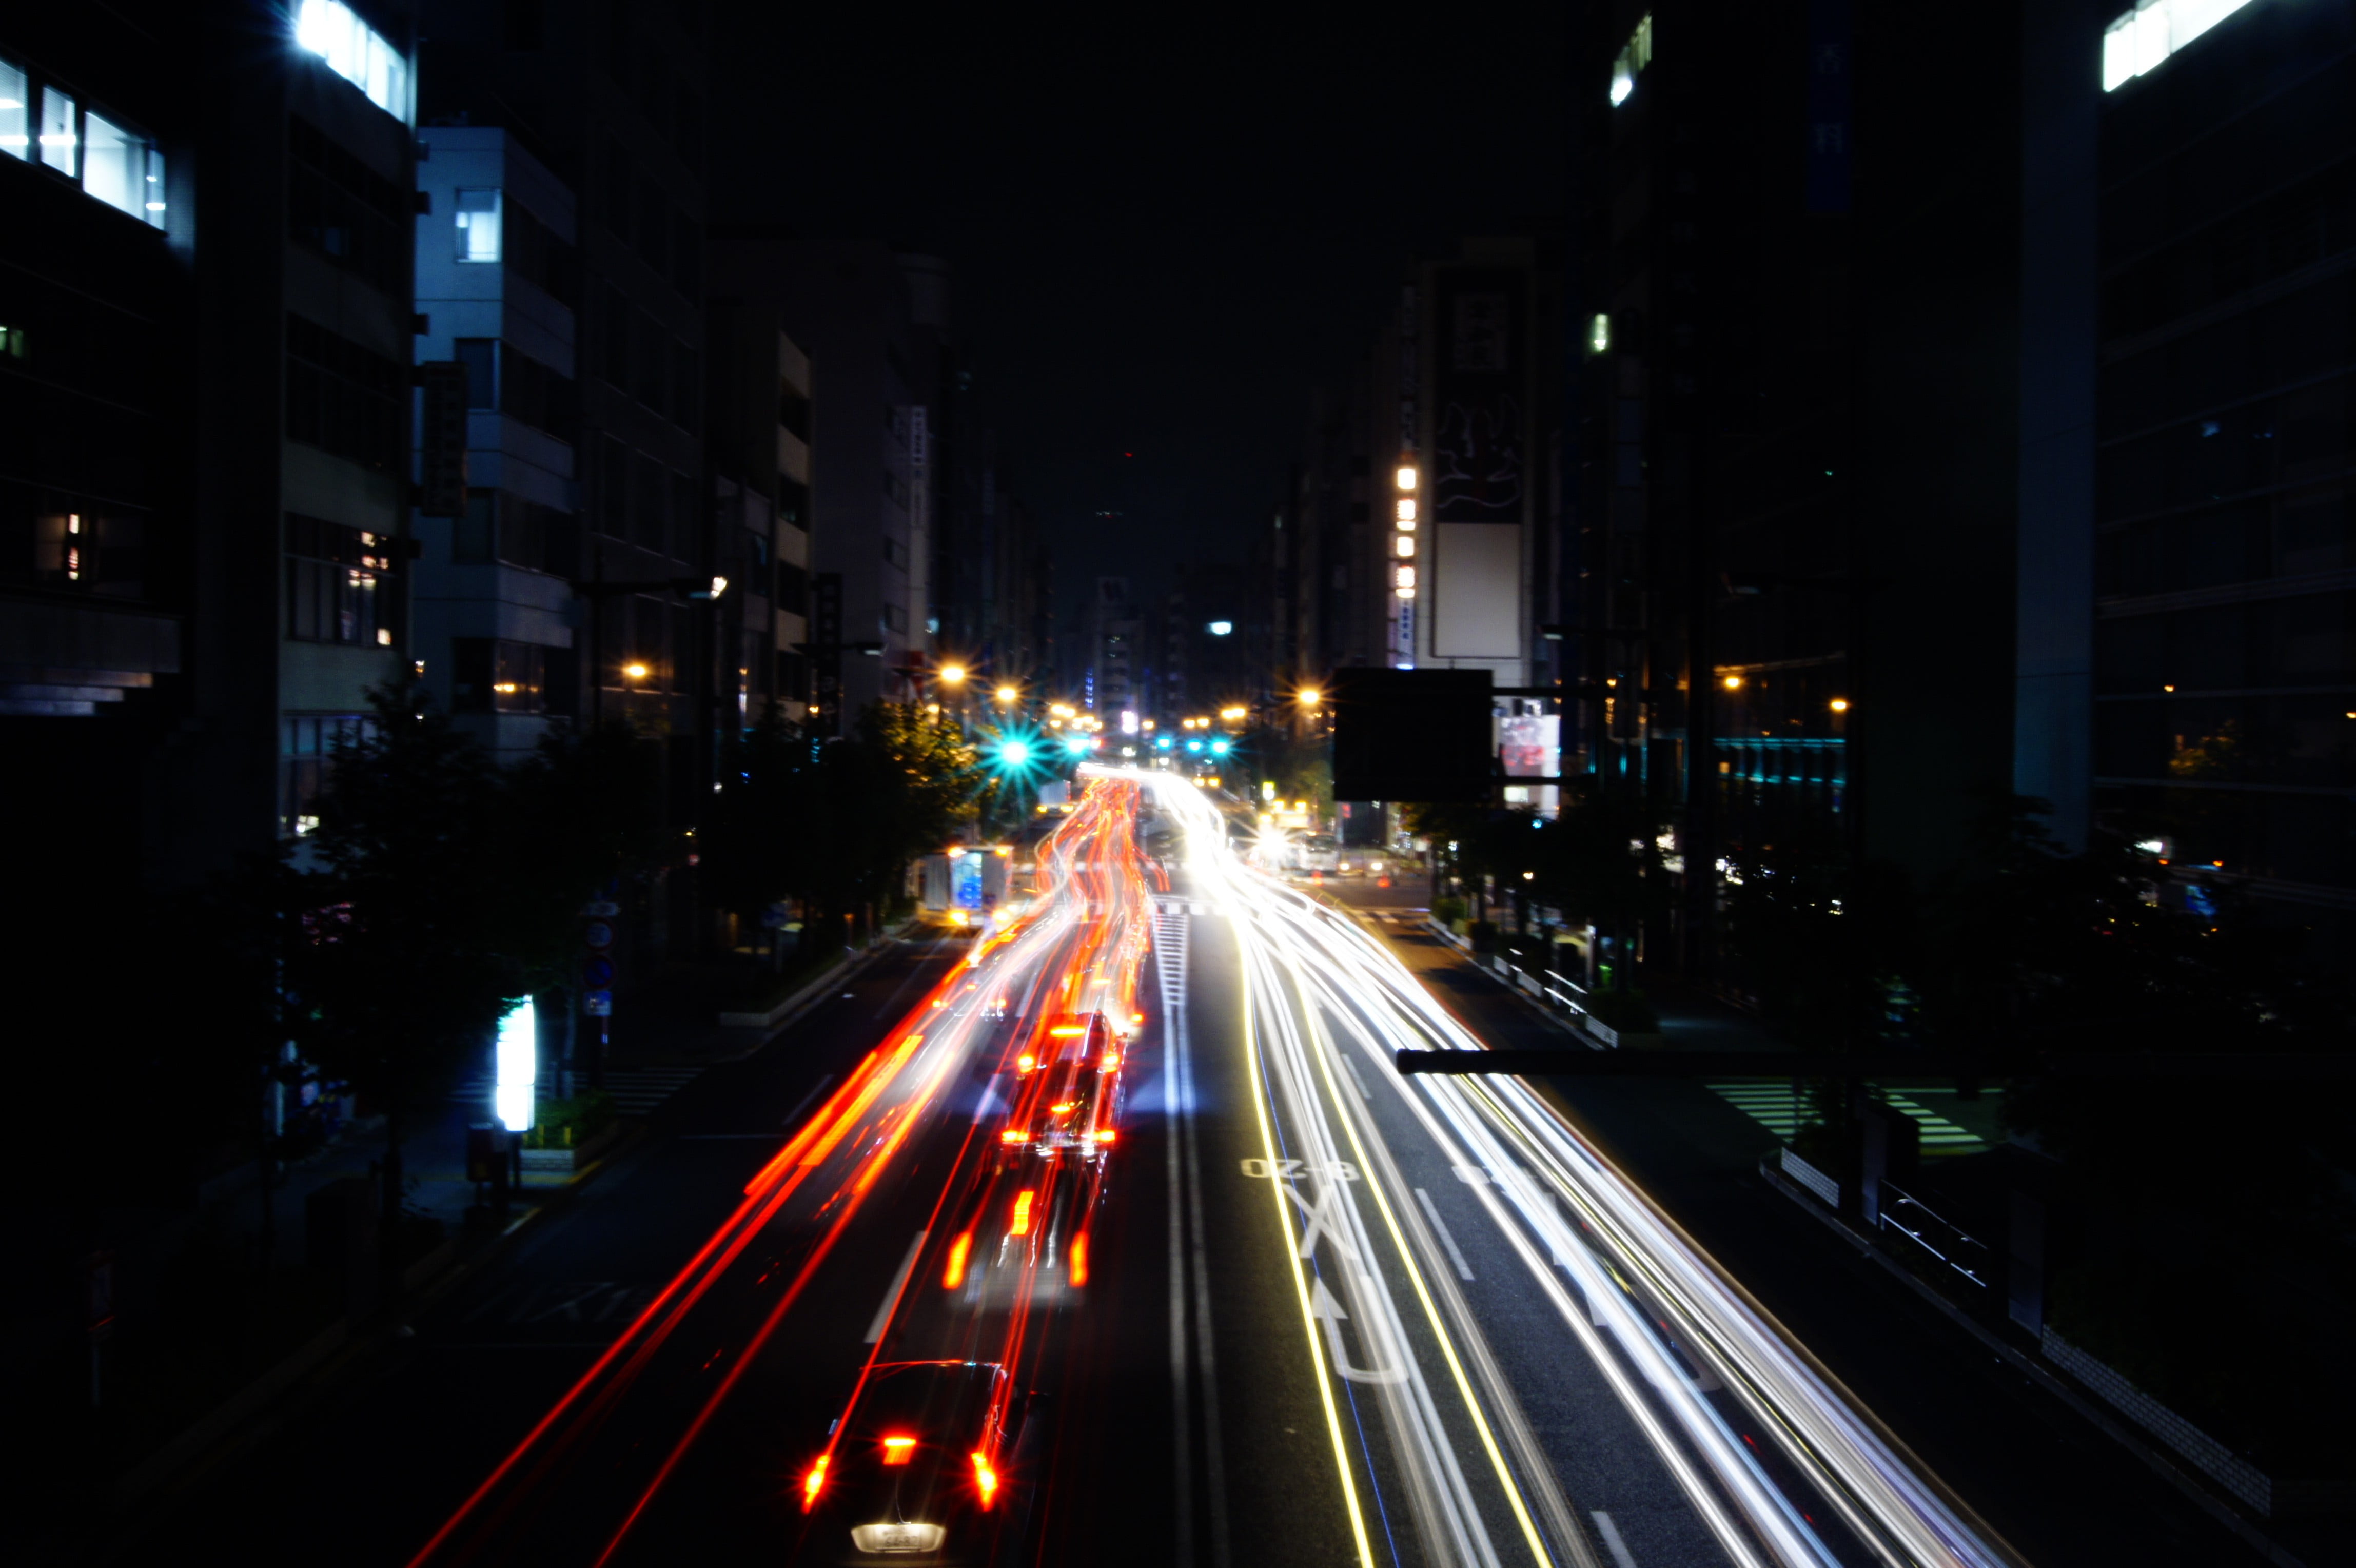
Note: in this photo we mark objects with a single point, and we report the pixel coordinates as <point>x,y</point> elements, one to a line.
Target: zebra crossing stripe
<point>1781,1109</point>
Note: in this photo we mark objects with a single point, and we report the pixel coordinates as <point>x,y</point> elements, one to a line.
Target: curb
<point>2045,1376</point>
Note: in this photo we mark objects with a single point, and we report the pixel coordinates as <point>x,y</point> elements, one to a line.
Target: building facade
<point>497,622</point>
<point>2221,609</point>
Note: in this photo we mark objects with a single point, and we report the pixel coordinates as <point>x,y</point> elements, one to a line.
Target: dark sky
<point>1167,229</point>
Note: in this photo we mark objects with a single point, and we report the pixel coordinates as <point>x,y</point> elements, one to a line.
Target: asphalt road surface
<point>1106,1235</point>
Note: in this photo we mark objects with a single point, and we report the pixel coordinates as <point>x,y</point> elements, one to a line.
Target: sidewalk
<point>673,1037</point>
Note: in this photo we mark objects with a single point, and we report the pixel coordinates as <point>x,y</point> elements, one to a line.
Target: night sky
<point>1166,232</point>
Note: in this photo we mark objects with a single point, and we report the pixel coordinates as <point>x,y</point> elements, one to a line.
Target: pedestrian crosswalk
<point>1782,1109</point>
<point>636,1091</point>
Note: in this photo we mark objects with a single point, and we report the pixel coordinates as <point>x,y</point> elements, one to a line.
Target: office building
<point>2187,667</point>
<point>496,619</point>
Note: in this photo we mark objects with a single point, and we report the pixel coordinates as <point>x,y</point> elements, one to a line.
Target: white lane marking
<point>803,1103</point>
<point>1612,1542</point>
<point>891,1296</point>
<point>1169,943</point>
<point>1356,1082</point>
<point>1440,1228</point>
<point>1214,1474</point>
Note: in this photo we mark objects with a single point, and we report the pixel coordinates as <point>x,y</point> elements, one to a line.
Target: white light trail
<point>1327,990</point>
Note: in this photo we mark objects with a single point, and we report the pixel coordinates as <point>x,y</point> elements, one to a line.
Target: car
<point>1320,853</point>
<point>915,1470</point>
<point>1068,1091</point>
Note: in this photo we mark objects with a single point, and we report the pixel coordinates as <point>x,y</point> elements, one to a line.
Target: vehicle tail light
<point>899,1450</point>
<point>1026,1062</point>
<point>1111,1059</point>
<point>1023,1213</point>
<point>1105,1134</point>
<point>814,1483</point>
<point>985,1479</point>
<point>954,1275</point>
<point>1013,1135</point>
<point>1080,1259</point>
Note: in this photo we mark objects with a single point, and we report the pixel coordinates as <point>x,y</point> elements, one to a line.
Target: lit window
<point>15,114</point>
<point>59,144</point>
<point>1403,576</point>
<point>2155,29</point>
<point>1631,61</point>
<point>114,165</point>
<point>355,53</point>
<point>1403,543</point>
<point>1406,513</point>
<point>1598,335</point>
<point>478,225</point>
<point>1406,477</point>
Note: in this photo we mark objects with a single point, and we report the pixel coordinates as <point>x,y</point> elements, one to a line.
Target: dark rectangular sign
<point>1412,735</point>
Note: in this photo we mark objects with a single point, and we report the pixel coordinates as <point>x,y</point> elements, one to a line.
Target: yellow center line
<point>1430,1309</point>
<point>1299,1283</point>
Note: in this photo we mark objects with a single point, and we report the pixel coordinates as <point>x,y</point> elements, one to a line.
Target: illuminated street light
<point>1840,704</point>
<point>1006,695</point>
<point>952,674</point>
<point>1732,682</point>
<point>636,672</point>
<point>1222,627</point>
<point>1234,715</point>
<point>1310,696</point>
<point>1014,753</point>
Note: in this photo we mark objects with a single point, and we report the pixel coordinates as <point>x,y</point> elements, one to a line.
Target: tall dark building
<point>99,528</point>
<point>2216,433</point>
<point>608,100</point>
<point>1794,312</point>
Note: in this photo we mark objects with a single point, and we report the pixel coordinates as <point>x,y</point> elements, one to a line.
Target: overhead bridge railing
<point>2272,1065</point>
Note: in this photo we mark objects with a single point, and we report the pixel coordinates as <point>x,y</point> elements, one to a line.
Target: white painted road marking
<point>1612,1542</point>
<point>1440,1228</point>
<point>891,1296</point>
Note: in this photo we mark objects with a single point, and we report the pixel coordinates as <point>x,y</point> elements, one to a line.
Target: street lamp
<point>1006,695</point>
<point>952,674</point>
<point>636,671</point>
<point>1310,696</point>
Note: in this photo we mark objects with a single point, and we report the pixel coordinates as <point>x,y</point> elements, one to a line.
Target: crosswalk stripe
<point>1781,1109</point>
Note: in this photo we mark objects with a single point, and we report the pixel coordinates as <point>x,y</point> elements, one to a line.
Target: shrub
<point>1625,1012</point>
<point>1448,911</point>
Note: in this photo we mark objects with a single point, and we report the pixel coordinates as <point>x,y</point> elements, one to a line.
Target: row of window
<point>2308,640</point>
<point>644,500</point>
<point>344,398</point>
<point>640,213</point>
<point>344,211</point>
<point>2281,343</point>
<point>2301,740</point>
<point>2301,435</point>
<point>491,675</point>
<point>503,378</point>
<point>490,230</point>
<point>642,359</point>
<point>2285,535</point>
<point>519,532</point>
<point>2298,228</point>
<point>89,552</point>
<point>339,584</point>
<point>307,743</point>
<point>107,158</point>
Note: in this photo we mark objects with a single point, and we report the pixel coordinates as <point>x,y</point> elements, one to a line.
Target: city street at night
<point>1565,786</point>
